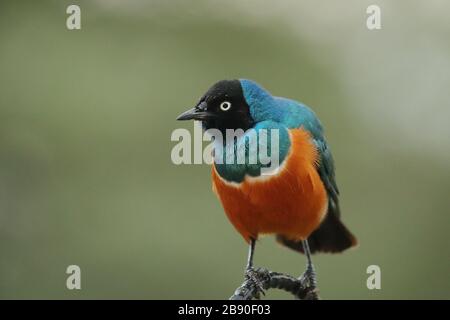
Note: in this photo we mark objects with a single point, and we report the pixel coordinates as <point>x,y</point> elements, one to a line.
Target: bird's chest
<point>291,201</point>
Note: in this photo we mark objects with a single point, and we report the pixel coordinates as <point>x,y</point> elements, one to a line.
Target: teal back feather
<point>290,113</point>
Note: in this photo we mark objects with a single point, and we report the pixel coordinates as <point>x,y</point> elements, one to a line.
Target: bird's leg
<point>250,273</point>
<point>309,276</point>
<point>251,251</point>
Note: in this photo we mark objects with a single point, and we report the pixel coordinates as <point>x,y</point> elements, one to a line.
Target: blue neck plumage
<point>261,148</point>
<point>262,104</point>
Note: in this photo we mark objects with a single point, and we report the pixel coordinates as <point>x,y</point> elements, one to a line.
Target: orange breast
<point>291,203</point>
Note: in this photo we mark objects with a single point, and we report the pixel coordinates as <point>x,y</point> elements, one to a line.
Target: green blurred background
<point>86,116</point>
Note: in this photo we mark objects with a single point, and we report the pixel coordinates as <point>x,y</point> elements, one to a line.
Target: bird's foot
<point>308,278</point>
<point>252,277</point>
<point>309,281</point>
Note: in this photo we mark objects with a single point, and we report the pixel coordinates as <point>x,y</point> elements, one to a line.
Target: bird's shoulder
<point>294,115</point>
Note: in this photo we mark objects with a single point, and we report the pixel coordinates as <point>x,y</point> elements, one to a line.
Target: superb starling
<point>299,202</point>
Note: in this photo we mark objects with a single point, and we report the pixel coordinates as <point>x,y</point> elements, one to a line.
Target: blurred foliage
<point>86,176</point>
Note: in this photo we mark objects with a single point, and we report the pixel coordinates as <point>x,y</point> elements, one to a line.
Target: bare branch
<point>273,280</point>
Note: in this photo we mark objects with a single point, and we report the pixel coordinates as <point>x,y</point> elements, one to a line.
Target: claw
<point>251,275</point>
<point>308,279</point>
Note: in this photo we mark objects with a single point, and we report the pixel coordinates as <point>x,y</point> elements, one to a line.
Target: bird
<point>299,202</point>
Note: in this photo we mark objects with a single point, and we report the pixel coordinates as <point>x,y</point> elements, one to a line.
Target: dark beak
<point>189,115</point>
<point>197,113</point>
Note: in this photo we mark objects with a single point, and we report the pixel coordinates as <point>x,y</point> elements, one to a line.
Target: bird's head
<point>230,104</point>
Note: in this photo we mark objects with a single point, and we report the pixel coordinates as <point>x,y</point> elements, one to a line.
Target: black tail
<point>331,236</point>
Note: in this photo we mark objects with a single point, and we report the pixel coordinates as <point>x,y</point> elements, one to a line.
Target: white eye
<point>225,106</point>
